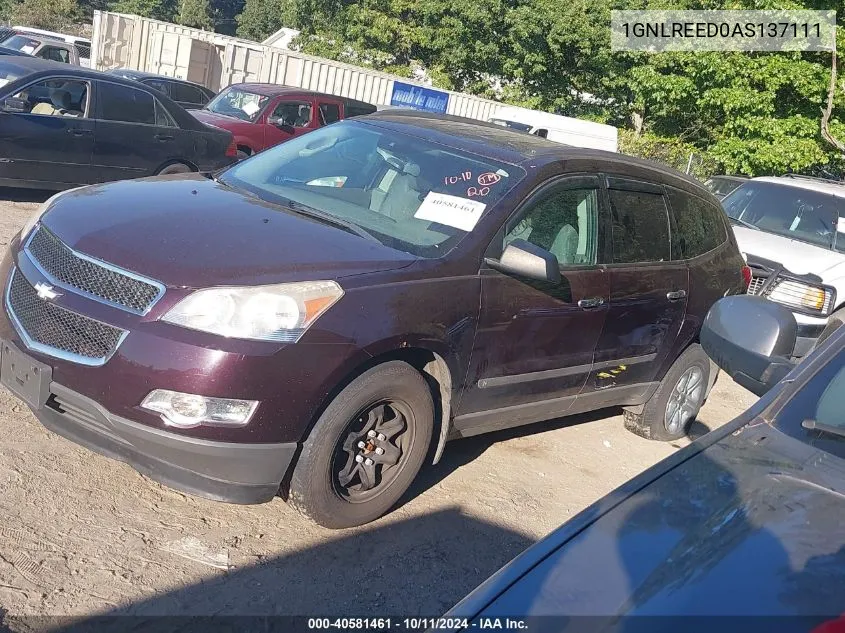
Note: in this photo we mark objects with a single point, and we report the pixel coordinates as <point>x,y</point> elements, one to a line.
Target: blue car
<point>749,520</point>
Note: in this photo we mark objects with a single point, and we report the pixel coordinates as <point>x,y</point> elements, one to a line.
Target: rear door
<point>135,133</point>
<point>54,141</point>
<point>648,296</point>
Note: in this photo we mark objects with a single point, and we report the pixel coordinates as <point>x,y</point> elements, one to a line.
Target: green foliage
<point>54,15</point>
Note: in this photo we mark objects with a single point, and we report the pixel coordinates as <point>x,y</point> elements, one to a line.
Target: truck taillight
<point>746,276</point>
<point>232,150</point>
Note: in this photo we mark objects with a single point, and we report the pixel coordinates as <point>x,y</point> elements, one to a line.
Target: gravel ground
<point>85,535</point>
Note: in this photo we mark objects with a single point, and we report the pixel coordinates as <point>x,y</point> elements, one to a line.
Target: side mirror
<point>752,339</point>
<point>279,123</point>
<point>527,260</point>
<point>15,105</point>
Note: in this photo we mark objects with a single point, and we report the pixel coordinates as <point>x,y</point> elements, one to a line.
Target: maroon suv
<point>330,312</point>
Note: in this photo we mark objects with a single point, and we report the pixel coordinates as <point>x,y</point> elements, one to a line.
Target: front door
<point>534,346</point>
<point>288,118</point>
<point>54,140</point>
<point>648,296</point>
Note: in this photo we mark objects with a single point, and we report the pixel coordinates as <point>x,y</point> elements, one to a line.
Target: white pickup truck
<point>792,231</point>
<point>58,47</point>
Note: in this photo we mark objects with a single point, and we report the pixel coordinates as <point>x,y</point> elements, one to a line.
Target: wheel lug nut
<point>379,451</point>
<point>368,462</point>
<point>381,437</point>
<point>371,433</point>
<point>362,445</point>
<point>359,458</point>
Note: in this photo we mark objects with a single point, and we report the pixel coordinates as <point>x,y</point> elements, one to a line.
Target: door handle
<point>78,132</point>
<point>676,294</point>
<point>163,137</point>
<point>593,302</point>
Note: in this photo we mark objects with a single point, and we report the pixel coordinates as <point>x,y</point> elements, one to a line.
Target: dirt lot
<point>82,534</point>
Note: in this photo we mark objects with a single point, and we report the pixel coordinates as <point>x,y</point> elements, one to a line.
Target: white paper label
<point>840,225</point>
<point>460,213</point>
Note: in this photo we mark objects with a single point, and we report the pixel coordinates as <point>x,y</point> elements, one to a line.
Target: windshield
<point>797,213</point>
<point>22,43</point>
<point>412,195</point>
<point>238,103</point>
<point>821,402</point>
<point>522,127</point>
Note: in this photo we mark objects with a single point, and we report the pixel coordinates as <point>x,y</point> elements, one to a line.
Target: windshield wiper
<point>305,210</point>
<point>812,425</point>
<point>744,223</point>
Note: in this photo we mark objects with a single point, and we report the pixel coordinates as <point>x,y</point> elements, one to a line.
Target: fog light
<point>187,410</point>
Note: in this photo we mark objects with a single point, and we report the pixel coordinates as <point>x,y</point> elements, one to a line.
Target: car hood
<point>749,526</point>
<point>220,120</point>
<point>194,232</point>
<point>797,257</point>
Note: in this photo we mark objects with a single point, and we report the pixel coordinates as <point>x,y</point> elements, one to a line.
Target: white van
<point>562,129</point>
<point>81,44</point>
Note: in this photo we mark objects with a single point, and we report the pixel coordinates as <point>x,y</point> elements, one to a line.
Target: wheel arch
<point>176,161</point>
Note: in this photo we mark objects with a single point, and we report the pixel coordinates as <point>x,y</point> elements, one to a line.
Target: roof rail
<point>815,178</point>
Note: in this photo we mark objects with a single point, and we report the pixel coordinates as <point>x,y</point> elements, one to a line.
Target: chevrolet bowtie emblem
<point>46,292</point>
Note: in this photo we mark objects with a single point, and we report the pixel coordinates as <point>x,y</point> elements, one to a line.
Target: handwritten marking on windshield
<point>462,177</point>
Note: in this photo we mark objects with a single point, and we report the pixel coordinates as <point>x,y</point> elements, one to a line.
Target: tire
<point>672,408</point>
<point>242,155</point>
<point>174,168</point>
<point>328,485</point>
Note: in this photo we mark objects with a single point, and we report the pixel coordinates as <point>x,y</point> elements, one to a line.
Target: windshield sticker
<point>489,178</point>
<point>840,225</point>
<point>251,108</point>
<point>453,211</point>
<point>474,192</point>
<point>462,177</point>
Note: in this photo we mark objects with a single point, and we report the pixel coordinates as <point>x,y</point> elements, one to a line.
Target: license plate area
<point>25,377</point>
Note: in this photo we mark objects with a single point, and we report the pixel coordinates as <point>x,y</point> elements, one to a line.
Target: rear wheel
<point>675,404</point>
<point>243,154</point>
<point>366,448</point>
<point>174,168</point>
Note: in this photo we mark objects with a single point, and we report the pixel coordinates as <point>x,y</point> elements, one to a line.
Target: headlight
<point>796,294</point>
<point>281,312</point>
<point>33,219</point>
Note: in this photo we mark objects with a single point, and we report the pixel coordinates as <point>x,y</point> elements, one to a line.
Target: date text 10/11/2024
<point>416,624</point>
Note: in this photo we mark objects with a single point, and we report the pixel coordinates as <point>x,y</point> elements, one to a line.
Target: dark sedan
<point>187,94</point>
<point>746,521</point>
<point>63,126</point>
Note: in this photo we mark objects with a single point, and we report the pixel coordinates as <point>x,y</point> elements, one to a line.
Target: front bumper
<point>223,471</point>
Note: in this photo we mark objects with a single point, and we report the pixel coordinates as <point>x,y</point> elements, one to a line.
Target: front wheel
<point>366,448</point>
<point>675,404</point>
<point>174,168</point>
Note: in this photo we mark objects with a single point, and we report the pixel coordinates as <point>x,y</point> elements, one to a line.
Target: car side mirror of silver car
<point>14,105</point>
<point>527,260</point>
<point>751,339</point>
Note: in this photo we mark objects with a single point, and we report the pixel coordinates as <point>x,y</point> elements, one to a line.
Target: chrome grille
<point>756,284</point>
<point>53,330</point>
<point>81,272</point>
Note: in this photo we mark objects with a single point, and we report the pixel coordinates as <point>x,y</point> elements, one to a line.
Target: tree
<point>196,13</point>
<point>54,15</point>
<point>165,10</point>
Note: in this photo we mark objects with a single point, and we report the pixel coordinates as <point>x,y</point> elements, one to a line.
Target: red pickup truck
<point>262,115</point>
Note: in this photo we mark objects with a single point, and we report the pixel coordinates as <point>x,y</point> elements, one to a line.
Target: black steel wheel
<point>366,448</point>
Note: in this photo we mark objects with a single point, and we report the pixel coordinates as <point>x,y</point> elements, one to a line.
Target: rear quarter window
<point>699,223</point>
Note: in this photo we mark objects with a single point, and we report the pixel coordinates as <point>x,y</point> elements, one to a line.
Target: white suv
<point>792,231</point>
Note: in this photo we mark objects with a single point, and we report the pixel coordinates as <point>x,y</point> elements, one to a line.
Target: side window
<point>329,113</point>
<point>163,118</point>
<point>293,113</point>
<point>541,132</point>
<point>56,97</point>
<point>122,103</point>
<point>563,221</point>
<point>186,94</point>
<point>640,226</point>
<point>158,84</point>
<point>700,224</point>
<point>54,54</point>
